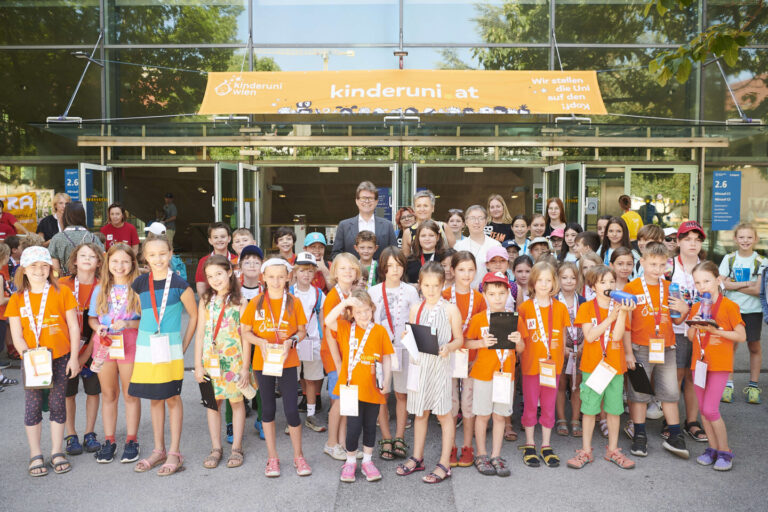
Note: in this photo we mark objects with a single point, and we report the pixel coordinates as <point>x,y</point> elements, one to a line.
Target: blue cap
<point>313,238</point>
<point>250,250</point>
<point>510,242</point>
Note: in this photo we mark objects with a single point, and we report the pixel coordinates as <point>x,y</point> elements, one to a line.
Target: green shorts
<point>612,398</point>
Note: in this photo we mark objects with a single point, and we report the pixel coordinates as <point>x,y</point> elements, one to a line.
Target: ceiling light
<point>172,151</point>
<point>329,169</point>
<point>187,169</point>
<point>473,169</point>
<point>514,196</point>
<point>281,196</point>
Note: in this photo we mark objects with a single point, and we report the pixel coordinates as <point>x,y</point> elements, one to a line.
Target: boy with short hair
<point>646,234</point>
<point>219,237</point>
<point>251,259</point>
<point>586,241</point>
<point>315,244</point>
<point>538,247</point>
<point>285,239</point>
<point>311,299</point>
<point>241,238</point>
<point>365,245</point>
<point>513,250</point>
<point>485,371</point>
<point>650,340</point>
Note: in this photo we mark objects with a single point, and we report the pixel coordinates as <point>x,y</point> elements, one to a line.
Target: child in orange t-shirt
<point>470,302</point>
<point>713,354</point>
<point>603,322</point>
<point>541,323</point>
<point>485,374</point>
<point>84,267</point>
<point>363,345</point>
<point>43,315</point>
<point>272,319</point>
<point>345,271</point>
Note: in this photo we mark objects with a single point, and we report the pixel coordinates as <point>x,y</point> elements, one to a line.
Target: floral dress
<point>228,346</point>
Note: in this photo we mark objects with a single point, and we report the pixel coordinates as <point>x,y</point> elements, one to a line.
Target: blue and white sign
<point>72,183</point>
<point>726,199</point>
<point>384,206</point>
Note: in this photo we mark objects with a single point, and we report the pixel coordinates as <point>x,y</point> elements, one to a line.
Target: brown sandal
<point>145,465</point>
<point>236,458</point>
<point>509,433</point>
<point>213,458</point>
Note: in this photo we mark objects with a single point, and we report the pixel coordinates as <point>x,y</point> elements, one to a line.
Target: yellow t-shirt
<point>634,223</point>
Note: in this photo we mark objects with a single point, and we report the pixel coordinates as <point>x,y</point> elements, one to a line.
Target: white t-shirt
<point>250,293</point>
<point>478,251</point>
<point>747,303</point>
<point>366,225</point>
<point>312,302</point>
<point>397,309</point>
<point>687,290</point>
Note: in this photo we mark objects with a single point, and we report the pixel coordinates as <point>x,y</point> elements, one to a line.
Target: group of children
<point>272,323</point>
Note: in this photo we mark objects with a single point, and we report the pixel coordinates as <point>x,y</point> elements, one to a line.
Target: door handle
<point>213,201</point>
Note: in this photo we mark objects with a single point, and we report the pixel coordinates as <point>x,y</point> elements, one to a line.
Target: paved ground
<point>659,482</point>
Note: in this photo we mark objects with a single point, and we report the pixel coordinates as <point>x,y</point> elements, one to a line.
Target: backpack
<point>756,264</point>
<point>178,266</point>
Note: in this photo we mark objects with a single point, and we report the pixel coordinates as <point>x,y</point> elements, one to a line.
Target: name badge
<point>656,350</point>
<point>212,367</point>
<point>530,323</point>
<point>700,374</point>
<point>160,348</point>
<point>348,403</point>
<point>460,364</point>
<point>305,349</point>
<point>503,388</point>
<point>547,373</point>
<point>273,364</point>
<point>38,368</point>
<point>396,360</point>
<point>117,348</point>
<point>414,372</point>
<point>600,377</point>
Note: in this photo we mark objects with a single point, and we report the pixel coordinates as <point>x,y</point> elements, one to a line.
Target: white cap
<point>156,228</point>
<point>305,258</point>
<point>669,231</point>
<point>35,254</point>
<point>271,262</point>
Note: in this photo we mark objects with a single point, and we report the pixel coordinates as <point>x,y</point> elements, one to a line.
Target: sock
<point>111,439</point>
<point>310,409</point>
<point>752,384</point>
<point>639,428</point>
<point>128,439</point>
<point>367,457</point>
<point>352,459</point>
<point>729,384</point>
<point>674,430</point>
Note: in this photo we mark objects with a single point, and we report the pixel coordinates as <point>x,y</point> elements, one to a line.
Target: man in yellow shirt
<point>633,219</point>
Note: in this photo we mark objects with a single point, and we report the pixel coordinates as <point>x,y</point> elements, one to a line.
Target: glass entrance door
<point>95,189</point>
<point>667,196</point>
<point>249,181</point>
<point>567,181</point>
<point>225,203</point>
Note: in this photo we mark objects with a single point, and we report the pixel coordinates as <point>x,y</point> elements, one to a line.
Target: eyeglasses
<point>250,263</point>
<point>367,200</point>
<point>669,239</point>
<point>475,219</point>
<point>406,217</point>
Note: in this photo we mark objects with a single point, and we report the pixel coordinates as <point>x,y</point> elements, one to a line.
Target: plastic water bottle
<point>249,392</point>
<point>705,310</point>
<point>100,351</point>
<point>674,293</point>
<point>620,296</point>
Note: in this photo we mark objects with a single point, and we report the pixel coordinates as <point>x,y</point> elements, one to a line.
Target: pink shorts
<point>129,341</point>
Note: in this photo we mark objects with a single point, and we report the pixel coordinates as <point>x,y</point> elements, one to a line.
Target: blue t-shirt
<point>111,316</point>
<point>171,322</point>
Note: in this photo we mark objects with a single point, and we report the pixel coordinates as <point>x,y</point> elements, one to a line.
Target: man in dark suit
<point>366,198</point>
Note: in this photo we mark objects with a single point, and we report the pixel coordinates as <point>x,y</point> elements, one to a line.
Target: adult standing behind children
<point>477,242</point>
<point>54,223</point>
<point>9,225</point>
<point>366,198</point>
<point>74,234</point>
<point>424,208</point>
<point>219,237</point>
<point>118,230</point>
<point>170,212</point>
<point>633,219</point>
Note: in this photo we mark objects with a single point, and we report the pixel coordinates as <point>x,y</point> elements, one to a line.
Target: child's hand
<point>443,352</point>
<point>614,314</point>
<point>118,325</point>
<point>515,337</point>
<point>199,373</point>
<point>678,305</point>
<point>73,366</point>
<point>630,361</point>
<point>489,339</point>
<point>352,302</point>
<point>520,344</point>
<point>628,305</point>
<point>245,377</point>
<point>103,330</point>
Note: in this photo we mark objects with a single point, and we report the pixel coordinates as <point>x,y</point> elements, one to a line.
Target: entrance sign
<point>407,91</point>
<point>726,200</point>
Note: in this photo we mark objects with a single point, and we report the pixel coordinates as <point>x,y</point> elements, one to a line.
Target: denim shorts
<point>664,376</point>
<point>333,377</point>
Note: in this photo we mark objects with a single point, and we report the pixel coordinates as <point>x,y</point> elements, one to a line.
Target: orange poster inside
<point>23,207</point>
<point>409,91</point>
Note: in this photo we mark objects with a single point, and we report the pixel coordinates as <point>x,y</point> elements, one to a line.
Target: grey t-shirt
<point>169,210</point>
<point>63,243</point>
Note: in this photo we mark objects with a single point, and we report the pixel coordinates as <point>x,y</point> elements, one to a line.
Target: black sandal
<point>385,454</point>
<point>67,466</point>
<point>32,470</point>
<point>6,381</point>
<point>529,455</point>
<point>404,470</point>
<point>434,478</point>
<point>700,435</point>
<point>400,448</point>
<point>550,459</point>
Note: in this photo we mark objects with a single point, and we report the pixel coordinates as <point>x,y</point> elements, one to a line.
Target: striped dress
<point>158,381</point>
<point>435,375</point>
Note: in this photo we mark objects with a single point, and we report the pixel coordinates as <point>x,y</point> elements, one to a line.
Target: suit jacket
<point>348,229</point>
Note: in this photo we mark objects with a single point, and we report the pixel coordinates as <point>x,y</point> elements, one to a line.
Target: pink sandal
<point>618,458</point>
<point>302,468</point>
<point>169,468</point>
<point>144,465</point>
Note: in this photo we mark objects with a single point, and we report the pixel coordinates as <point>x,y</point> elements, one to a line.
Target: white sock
<point>367,457</point>
<point>351,459</point>
<point>310,409</point>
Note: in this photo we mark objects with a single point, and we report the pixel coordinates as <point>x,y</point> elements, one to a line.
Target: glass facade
<point>151,63</point>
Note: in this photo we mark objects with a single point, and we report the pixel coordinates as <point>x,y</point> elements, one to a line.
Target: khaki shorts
<point>312,370</point>
<point>482,399</point>
<point>465,400</point>
<point>663,376</point>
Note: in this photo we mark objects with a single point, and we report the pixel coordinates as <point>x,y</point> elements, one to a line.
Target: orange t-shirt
<point>54,333</point>
<point>4,278</point>
<point>592,352</point>
<point>364,374</point>
<point>263,326</point>
<point>462,302</point>
<point>331,301</point>
<point>529,329</point>
<point>642,322</point>
<point>719,352</point>
<point>487,361</point>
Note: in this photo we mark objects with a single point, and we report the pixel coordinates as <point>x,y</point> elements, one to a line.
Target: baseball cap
<point>273,262</point>
<point>34,254</point>
<point>156,228</point>
<point>510,243</point>
<point>494,252</point>
<point>691,225</point>
<point>251,250</point>
<point>669,232</point>
<point>313,238</point>
<point>539,240</point>
<point>495,277</point>
<point>305,258</point>
<point>558,233</point>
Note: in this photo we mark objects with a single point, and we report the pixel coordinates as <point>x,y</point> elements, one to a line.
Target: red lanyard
<point>431,258</point>
<point>154,301</point>
<point>418,313</point>
<point>386,306</point>
<point>715,308</point>
<point>221,316</point>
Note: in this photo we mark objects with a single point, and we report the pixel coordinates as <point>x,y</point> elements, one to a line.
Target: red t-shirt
<point>6,225</point>
<point>200,273</point>
<point>126,234</point>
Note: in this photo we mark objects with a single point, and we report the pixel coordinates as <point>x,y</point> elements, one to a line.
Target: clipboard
<point>426,342</point>
<point>692,323</point>
<point>207,395</point>
<point>503,323</point>
<point>639,379</point>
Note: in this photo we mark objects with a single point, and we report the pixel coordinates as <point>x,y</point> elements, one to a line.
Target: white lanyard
<point>372,274</point>
<point>607,333</point>
<point>469,309</point>
<point>356,350</point>
<point>657,319</point>
<point>36,324</point>
<point>117,307</point>
<point>573,332</point>
<point>164,303</point>
<point>542,332</point>
<point>398,307</point>
<point>341,294</point>
<point>77,293</point>
<point>282,312</point>
<point>501,354</point>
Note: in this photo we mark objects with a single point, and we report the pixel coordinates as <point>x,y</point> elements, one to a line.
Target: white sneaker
<point>336,452</point>
<point>654,410</point>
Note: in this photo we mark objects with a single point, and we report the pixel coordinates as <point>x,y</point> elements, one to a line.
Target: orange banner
<point>23,207</point>
<point>408,91</point>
